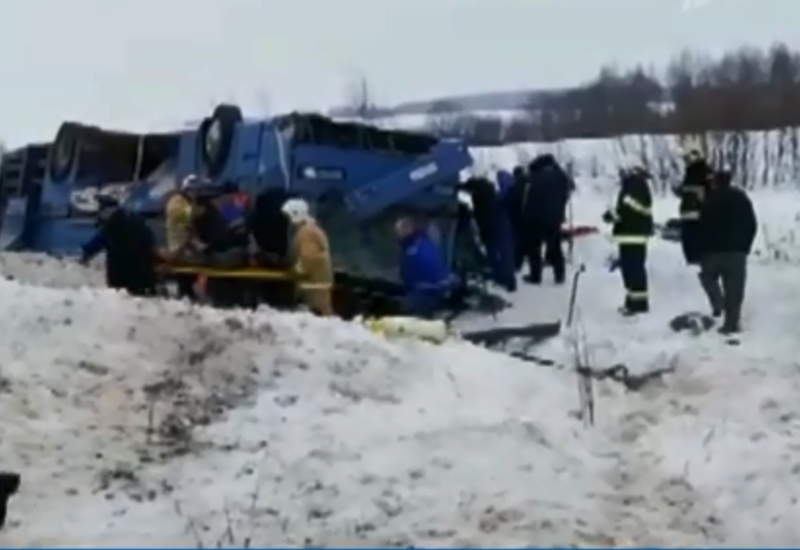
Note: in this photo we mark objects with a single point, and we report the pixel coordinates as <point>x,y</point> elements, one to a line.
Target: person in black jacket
<point>130,249</point>
<point>633,226</point>
<point>494,230</point>
<point>271,232</point>
<point>512,201</point>
<point>9,485</point>
<point>728,227</point>
<point>691,192</point>
<point>544,206</point>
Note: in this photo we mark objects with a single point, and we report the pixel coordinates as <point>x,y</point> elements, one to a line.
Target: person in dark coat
<point>271,232</point>
<point>633,226</point>
<point>9,485</point>
<point>220,239</point>
<point>495,231</point>
<point>222,243</point>
<point>728,227</point>
<point>130,249</point>
<point>691,192</point>
<point>269,227</point>
<point>512,201</point>
<point>544,206</point>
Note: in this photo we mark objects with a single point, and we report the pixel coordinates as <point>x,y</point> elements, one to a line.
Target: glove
<point>613,263</point>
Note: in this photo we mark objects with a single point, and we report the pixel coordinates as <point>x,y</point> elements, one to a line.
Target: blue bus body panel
<point>357,190</point>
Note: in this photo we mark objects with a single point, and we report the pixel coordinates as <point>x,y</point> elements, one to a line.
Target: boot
<point>531,280</point>
<point>729,329</point>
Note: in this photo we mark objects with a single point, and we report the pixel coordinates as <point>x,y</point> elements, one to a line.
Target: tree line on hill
<point>747,89</point>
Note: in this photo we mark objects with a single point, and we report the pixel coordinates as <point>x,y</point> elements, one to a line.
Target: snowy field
<point>161,424</point>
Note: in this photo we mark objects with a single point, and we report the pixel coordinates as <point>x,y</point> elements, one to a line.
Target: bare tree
<point>359,102</point>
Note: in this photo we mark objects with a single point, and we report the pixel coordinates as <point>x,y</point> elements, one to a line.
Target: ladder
<point>23,171</point>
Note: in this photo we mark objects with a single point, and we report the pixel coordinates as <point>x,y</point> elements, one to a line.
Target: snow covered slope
<point>133,420</point>
<point>157,423</point>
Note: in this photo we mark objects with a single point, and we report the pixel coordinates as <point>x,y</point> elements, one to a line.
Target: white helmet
<point>296,210</point>
<point>630,164</point>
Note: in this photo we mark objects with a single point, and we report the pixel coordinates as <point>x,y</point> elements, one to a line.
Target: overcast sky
<point>145,63</point>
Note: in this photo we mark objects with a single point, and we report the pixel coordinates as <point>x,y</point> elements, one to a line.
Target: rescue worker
<point>312,256</point>
<point>494,230</point>
<point>728,227</point>
<point>427,281</point>
<point>269,227</point>
<point>544,209</point>
<point>130,249</point>
<point>633,226</point>
<point>270,231</point>
<point>179,233</point>
<point>692,192</point>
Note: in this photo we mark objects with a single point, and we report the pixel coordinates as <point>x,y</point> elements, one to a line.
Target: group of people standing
<point>517,218</point>
<point>216,226</point>
<point>718,227</point>
<point>520,219</point>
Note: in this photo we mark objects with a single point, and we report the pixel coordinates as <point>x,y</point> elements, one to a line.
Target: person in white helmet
<point>692,192</point>
<point>311,253</point>
<point>632,220</point>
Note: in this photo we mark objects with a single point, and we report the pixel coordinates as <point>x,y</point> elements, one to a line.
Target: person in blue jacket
<point>426,279</point>
<point>495,230</point>
<point>505,244</point>
<point>505,180</point>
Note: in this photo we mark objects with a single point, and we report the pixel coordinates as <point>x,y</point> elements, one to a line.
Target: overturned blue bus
<point>358,177</point>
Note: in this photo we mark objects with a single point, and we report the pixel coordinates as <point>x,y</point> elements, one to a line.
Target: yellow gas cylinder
<point>435,331</point>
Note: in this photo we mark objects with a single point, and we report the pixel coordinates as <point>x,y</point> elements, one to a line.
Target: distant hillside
<point>488,101</point>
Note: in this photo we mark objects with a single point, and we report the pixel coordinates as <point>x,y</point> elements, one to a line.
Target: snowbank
<point>48,271</point>
<point>156,423</point>
<point>140,422</point>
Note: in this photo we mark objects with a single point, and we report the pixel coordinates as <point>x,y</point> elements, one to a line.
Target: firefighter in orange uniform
<point>312,258</point>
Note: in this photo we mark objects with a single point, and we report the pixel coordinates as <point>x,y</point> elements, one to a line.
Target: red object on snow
<point>579,230</point>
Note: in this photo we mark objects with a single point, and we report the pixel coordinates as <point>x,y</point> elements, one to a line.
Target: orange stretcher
<point>203,273</point>
<point>250,272</point>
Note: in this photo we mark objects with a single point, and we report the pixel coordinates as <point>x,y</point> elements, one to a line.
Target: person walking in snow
<point>544,209</point>
<point>130,249</point>
<point>633,226</point>
<point>426,279</point>
<point>728,227</point>
<point>692,192</point>
<point>312,257</point>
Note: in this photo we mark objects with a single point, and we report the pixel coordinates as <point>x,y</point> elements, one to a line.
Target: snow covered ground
<point>161,424</point>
